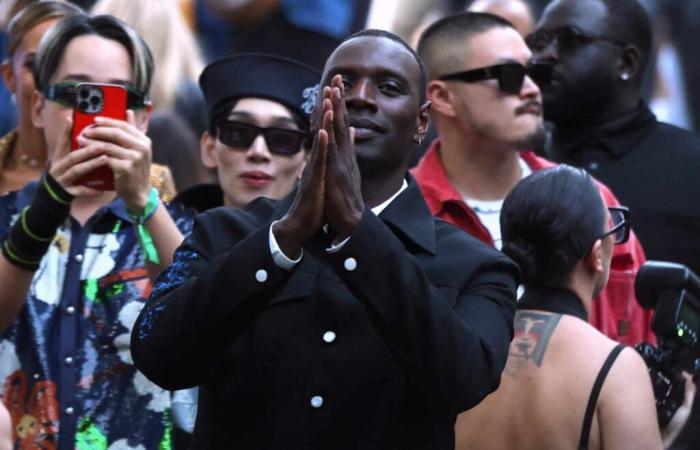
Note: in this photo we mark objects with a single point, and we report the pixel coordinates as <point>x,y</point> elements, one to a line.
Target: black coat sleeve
<point>451,340</point>
<point>205,299</point>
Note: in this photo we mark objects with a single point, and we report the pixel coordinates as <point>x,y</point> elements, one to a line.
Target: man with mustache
<point>344,316</point>
<point>488,113</point>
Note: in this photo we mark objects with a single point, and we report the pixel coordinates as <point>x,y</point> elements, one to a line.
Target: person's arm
<point>25,244</point>
<point>451,341</point>
<point>15,283</point>
<point>680,418</point>
<point>166,238</point>
<point>626,409</point>
<point>221,276</point>
<point>206,299</point>
<point>128,153</point>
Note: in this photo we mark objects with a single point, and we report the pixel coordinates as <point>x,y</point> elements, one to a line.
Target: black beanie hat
<point>282,80</point>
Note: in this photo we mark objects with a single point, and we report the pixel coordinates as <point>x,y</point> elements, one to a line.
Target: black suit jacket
<point>420,331</point>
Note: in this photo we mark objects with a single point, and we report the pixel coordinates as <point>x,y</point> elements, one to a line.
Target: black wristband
<point>32,234</point>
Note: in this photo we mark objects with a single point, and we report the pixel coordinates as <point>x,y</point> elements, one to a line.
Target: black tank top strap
<point>593,398</point>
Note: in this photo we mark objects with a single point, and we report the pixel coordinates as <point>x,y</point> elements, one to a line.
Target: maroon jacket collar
<point>435,184</point>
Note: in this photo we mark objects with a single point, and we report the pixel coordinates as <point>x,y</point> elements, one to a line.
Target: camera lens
<point>95,100</point>
<point>84,93</point>
<point>84,106</point>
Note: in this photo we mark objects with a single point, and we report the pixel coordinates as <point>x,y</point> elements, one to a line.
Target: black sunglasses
<point>566,38</point>
<point>241,135</point>
<point>66,94</point>
<point>510,75</point>
<point>619,224</point>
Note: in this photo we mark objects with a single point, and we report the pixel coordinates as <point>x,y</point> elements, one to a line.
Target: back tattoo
<point>532,333</point>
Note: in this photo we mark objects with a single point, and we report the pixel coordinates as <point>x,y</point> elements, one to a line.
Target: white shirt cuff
<point>336,248</point>
<point>278,255</point>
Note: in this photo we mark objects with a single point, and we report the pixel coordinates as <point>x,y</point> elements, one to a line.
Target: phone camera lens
<point>84,94</point>
<point>84,105</point>
<point>95,100</point>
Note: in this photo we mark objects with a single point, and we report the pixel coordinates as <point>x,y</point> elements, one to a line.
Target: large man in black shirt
<point>599,49</point>
<point>344,316</point>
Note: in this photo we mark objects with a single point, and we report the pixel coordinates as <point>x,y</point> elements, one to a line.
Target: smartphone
<point>92,100</point>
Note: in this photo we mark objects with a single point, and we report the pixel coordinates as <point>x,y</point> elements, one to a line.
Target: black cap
<point>282,80</point>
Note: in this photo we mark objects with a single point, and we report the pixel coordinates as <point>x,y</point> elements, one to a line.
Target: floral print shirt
<point>67,375</point>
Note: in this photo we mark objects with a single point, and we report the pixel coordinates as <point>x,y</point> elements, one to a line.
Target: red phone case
<point>92,100</point>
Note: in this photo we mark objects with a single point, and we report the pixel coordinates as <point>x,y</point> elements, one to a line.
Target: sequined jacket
<point>68,378</point>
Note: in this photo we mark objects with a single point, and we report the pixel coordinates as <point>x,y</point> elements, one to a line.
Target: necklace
<point>31,162</point>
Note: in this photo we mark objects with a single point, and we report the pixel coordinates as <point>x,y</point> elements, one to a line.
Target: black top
<point>376,346</point>
<point>201,197</point>
<point>559,301</point>
<point>654,169</point>
<point>595,393</point>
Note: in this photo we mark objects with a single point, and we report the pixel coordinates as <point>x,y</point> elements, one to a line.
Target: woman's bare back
<point>552,365</point>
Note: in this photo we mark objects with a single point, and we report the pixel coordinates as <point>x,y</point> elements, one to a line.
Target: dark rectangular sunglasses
<point>66,94</point>
<point>566,38</point>
<point>240,135</point>
<point>619,226</point>
<point>510,76</point>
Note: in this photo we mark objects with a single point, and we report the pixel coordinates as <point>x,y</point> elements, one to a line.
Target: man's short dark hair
<point>446,36</point>
<point>371,32</point>
<point>631,24</point>
<point>535,9</point>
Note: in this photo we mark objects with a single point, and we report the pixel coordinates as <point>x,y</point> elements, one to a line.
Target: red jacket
<point>615,312</point>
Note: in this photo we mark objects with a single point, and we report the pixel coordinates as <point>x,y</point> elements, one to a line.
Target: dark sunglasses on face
<point>241,135</point>
<point>566,38</point>
<point>510,76</point>
<point>619,225</point>
<point>66,94</point>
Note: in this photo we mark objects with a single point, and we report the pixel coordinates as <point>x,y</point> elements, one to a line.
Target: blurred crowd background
<point>184,35</point>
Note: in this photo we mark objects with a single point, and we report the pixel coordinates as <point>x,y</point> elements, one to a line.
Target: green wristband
<point>143,235</point>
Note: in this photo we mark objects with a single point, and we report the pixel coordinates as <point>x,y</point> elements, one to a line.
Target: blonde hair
<point>162,25</point>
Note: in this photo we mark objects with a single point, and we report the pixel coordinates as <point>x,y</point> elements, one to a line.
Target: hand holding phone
<point>93,100</point>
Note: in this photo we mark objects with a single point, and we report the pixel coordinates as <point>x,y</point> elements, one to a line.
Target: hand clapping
<point>329,191</point>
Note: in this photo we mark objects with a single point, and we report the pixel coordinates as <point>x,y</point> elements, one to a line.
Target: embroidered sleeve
<point>177,273</point>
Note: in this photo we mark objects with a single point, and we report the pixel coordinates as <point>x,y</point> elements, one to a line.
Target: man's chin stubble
<point>534,140</point>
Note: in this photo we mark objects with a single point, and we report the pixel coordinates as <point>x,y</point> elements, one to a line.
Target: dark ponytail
<point>549,222</point>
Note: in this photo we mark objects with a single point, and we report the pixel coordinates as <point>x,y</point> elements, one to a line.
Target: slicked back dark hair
<point>372,32</point>
<point>453,30</point>
<point>630,22</point>
<point>549,222</point>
